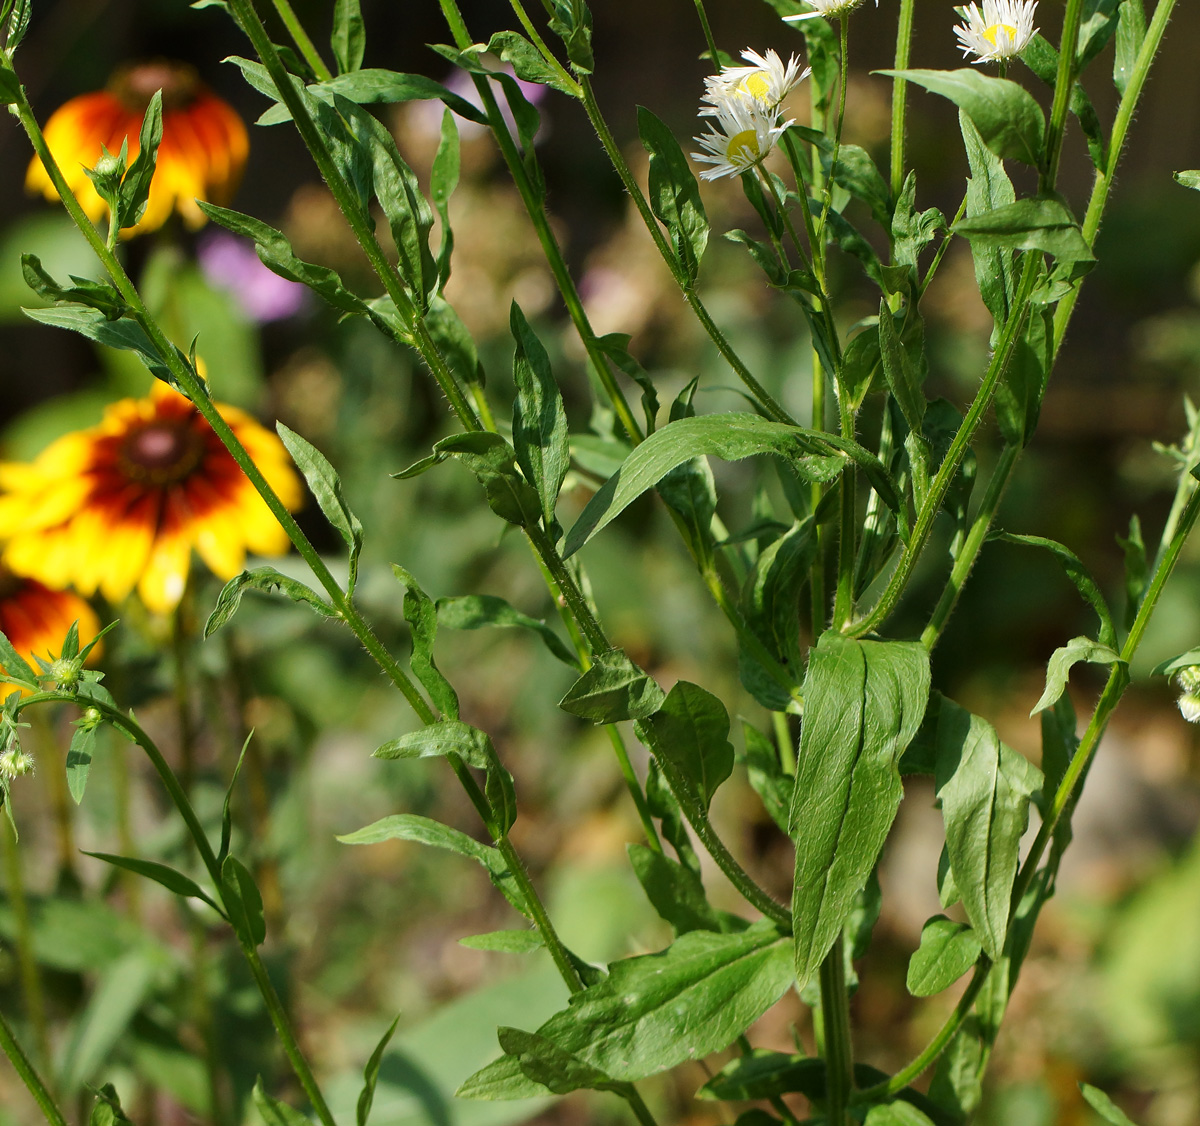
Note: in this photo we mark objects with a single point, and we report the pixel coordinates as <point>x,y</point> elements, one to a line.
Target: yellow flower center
<point>758,85</point>
<point>160,453</point>
<point>993,33</point>
<point>743,147</point>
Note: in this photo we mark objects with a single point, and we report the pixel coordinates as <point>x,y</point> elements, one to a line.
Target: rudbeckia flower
<point>122,504</point>
<point>1000,31</point>
<point>202,154</point>
<point>36,619</point>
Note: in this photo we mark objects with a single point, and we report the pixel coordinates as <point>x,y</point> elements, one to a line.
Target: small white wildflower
<point>999,32</point>
<point>746,132</point>
<point>768,79</point>
<point>827,9</point>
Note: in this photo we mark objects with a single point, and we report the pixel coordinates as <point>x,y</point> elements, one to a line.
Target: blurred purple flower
<point>232,264</point>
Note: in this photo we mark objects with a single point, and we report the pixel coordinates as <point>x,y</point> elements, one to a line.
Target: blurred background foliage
<point>1111,993</point>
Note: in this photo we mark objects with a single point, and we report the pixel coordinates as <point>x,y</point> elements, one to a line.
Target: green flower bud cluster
<point>1188,680</point>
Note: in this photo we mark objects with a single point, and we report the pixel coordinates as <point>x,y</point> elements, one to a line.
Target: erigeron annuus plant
<point>810,601</point>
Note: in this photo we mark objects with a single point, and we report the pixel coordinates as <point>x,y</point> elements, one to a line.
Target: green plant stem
<point>536,210</point>
<point>296,30</point>
<point>904,28</point>
<point>784,743</point>
<point>835,1020</point>
<point>183,805</point>
<point>713,53</point>
<point>969,551</point>
<point>1114,689</point>
<point>62,806</point>
<point>613,151</point>
<point>697,817</point>
<point>940,253</point>
<point>197,393</point>
<point>31,977</point>
<point>935,1047</point>
<point>843,79</point>
<point>1116,145</point>
<point>28,1075</point>
<point>180,671</point>
<point>958,447</point>
<point>562,960</point>
<point>563,75</point>
<point>1063,84</point>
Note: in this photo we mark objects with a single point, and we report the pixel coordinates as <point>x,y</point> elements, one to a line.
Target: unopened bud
<point>14,763</point>
<point>65,673</point>
<point>108,165</point>
<point>1189,706</point>
<point>1189,678</point>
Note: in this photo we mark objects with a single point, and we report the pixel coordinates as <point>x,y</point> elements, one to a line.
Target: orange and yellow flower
<point>202,154</point>
<point>36,619</point>
<point>122,504</point>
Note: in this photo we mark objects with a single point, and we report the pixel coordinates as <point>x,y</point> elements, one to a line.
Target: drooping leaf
<point>674,890</point>
<point>474,611</point>
<point>163,874</point>
<point>984,789</point>
<point>424,830</point>
<point>539,418</point>
<point>494,463</point>
<point>545,1063</point>
<point>613,689</point>
<point>988,189</point>
<point>1058,669</point>
<point>762,1074</point>
<point>1088,588</point>
<point>268,580</point>
<point>863,703</point>
<point>1008,119</point>
<point>326,487</point>
<point>79,759</point>
<point>277,255</point>
<point>526,60</point>
<point>813,455</point>
<point>674,194</point>
<point>572,23</point>
<point>947,951</point>
<point>421,615</point>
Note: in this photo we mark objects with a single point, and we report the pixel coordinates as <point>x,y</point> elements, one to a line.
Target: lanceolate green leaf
<point>658,1010</point>
<point>421,616</point>
<point>424,830</point>
<point>1058,668</point>
<point>545,1063</point>
<point>79,759</point>
<point>674,193</point>
<point>326,486</point>
<point>1008,119</point>
<point>268,580</point>
<point>674,890</point>
<point>539,418</point>
<point>1104,1106</point>
<point>371,1075</point>
<point>863,703</point>
<point>814,456</point>
<point>160,874</point>
<point>474,611</point>
<point>984,789</point>
<point>276,1113</point>
<point>243,902</point>
<point>349,39</point>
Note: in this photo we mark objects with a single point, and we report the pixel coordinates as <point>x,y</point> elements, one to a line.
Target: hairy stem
<point>28,1075</point>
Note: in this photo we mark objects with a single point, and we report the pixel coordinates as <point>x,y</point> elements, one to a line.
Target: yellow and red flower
<point>202,154</point>
<point>122,504</point>
<point>36,619</point>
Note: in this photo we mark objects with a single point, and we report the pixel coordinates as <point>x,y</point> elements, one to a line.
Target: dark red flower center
<point>161,453</point>
<point>135,85</point>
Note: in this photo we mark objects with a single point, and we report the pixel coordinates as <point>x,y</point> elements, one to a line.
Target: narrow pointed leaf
<point>172,880</point>
<point>371,1075</point>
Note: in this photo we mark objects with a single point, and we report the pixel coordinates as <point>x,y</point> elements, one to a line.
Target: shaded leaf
<point>243,903</point>
<point>474,611</point>
<point>1042,224</point>
<point>1104,1106</point>
<point>79,759</point>
<point>275,1113</point>
<point>674,194</point>
<point>172,880</point>
<point>371,1075</point>
<point>349,43</point>
<point>1058,669</point>
<point>674,890</point>
<point>947,951</point>
<point>505,942</point>
<point>691,729</point>
<point>613,689</point>
<point>268,580</point>
<point>545,1063</point>
<point>421,615</point>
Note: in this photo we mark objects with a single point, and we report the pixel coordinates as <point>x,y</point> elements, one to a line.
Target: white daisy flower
<point>767,79</point>
<point>746,132</point>
<point>827,9</point>
<point>1002,30</point>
